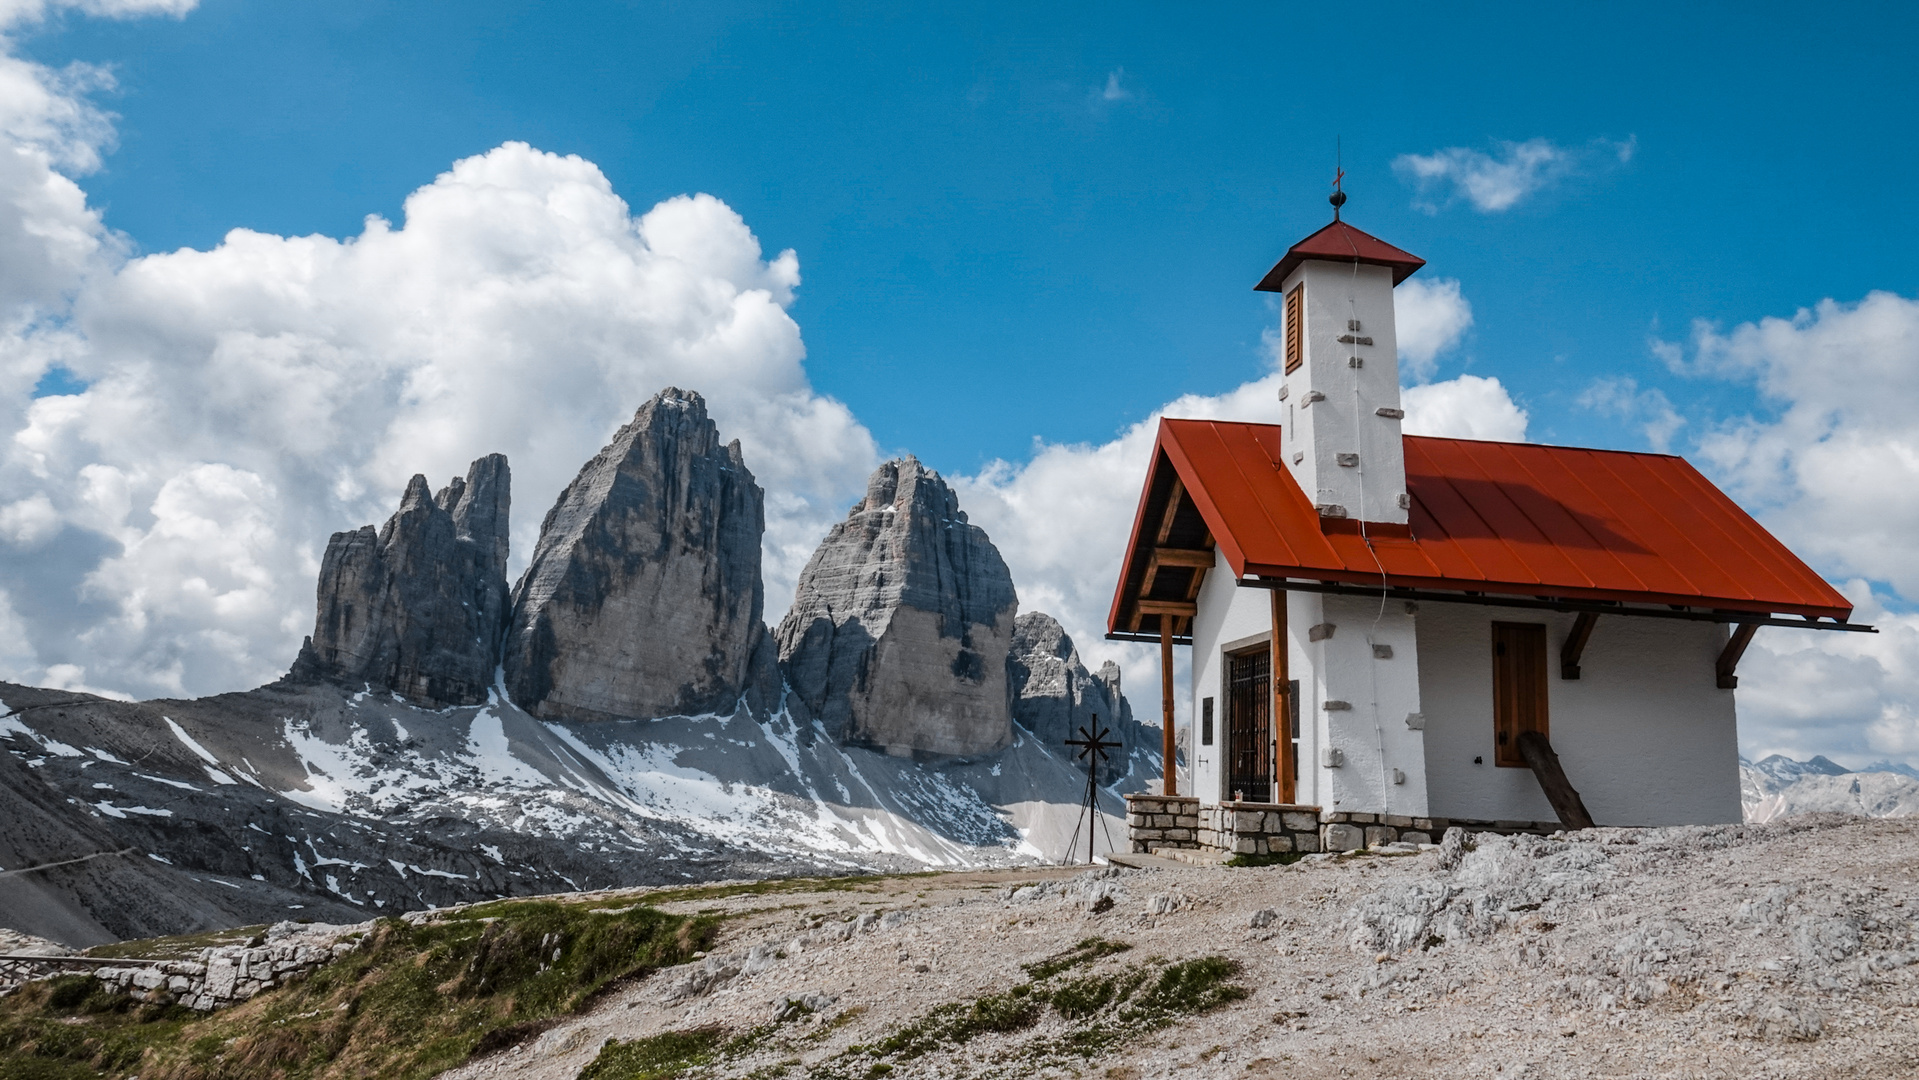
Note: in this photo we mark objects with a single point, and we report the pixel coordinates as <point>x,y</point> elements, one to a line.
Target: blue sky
<point>1020,232</point>
<point>995,248</point>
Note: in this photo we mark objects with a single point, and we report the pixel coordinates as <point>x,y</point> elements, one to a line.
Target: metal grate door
<point>1249,721</point>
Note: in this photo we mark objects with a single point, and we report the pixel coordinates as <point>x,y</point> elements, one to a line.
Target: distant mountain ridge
<point>621,716</point>
<point>1778,786</point>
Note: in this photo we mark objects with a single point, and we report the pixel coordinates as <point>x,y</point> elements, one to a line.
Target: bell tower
<point>1341,413</point>
<point>1362,744</point>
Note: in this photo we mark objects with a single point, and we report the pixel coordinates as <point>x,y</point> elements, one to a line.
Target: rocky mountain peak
<point>898,635</point>
<point>418,606</point>
<point>480,504</point>
<point>644,596</point>
<point>1054,695</point>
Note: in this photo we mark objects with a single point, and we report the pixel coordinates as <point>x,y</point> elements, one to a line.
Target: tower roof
<point>1340,242</point>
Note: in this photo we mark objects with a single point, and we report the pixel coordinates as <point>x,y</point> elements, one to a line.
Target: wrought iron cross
<point>1093,745</point>
<point>1092,749</point>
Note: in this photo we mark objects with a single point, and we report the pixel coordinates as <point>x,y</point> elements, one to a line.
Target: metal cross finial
<point>1338,198</point>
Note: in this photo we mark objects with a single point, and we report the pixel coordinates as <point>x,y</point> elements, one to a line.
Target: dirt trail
<point>1788,949</point>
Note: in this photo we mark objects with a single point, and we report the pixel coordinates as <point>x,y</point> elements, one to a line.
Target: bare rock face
<point>419,606</point>
<point>644,597</point>
<point>899,633</point>
<point>1054,695</point>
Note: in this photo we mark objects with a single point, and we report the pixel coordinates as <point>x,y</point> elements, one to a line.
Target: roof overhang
<point>1497,524</point>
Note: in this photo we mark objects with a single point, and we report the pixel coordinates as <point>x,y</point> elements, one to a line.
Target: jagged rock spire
<point>1054,694</point>
<point>898,635</point>
<point>644,596</point>
<point>418,607</point>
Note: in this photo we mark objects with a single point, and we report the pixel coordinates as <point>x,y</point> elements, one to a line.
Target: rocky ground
<point>1787,949</point>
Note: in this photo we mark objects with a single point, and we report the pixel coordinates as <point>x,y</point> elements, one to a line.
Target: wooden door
<point>1519,688</point>
<point>1249,725</point>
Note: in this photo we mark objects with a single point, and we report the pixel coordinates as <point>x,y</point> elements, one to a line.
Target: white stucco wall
<point>1346,420</point>
<point>1643,735</point>
<point>1372,736</point>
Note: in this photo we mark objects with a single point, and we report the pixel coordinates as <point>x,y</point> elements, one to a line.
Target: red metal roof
<point>1340,242</point>
<point>1504,518</point>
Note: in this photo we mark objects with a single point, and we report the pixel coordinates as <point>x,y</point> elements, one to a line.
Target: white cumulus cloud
<point>1501,180</point>
<point>165,524</point>
<point>1469,407</point>
<point>1833,471</point>
<point>1430,316</point>
<point>15,13</point>
<point>1621,397</point>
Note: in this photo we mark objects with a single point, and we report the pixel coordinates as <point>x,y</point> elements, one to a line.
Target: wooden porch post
<point>1169,766</point>
<point>1282,702</point>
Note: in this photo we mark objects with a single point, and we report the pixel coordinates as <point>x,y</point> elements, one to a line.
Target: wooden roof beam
<point>1729,659</point>
<point>1172,510</point>
<point>1195,557</point>
<point>1185,609</point>
<point>1575,646</point>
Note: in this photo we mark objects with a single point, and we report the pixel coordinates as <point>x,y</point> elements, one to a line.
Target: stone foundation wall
<point>1342,830</point>
<point>1169,821</point>
<point>1248,828</point>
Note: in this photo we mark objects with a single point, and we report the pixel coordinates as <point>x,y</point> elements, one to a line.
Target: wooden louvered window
<point>1519,688</point>
<point>1295,328</point>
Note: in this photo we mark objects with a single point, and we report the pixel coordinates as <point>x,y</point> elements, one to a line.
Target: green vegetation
<point>409,1002</point>
<point>1102,1009</point>
<point>657,1057</point>
<point>672,1054</point>
<point>957,1023</point>
<point>1087,951</point>
<point>70,1027</point>
<point>178,947</point>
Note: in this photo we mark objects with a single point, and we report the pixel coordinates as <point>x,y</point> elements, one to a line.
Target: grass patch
<point>657,1057</point>
<point>955,1024</point>
<point>1191,986</point>
<point>409,1002</point>
<point>1101,1010</point>
<point>672,1054</point>
<point>70,1026</point>
<point>1280,858</point>
<point>1140,1001</point>
<point>177,947</point>
<point>1087,951</point>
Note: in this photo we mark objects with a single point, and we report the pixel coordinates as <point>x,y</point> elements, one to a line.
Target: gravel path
<point>1788,949</point>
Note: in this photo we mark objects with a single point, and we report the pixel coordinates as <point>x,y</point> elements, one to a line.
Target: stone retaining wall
<point>230,974</point>
<point>1342,830</point>
<point>1248,828</point>
<point>1169,821</point>
<point>1179,822</point>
